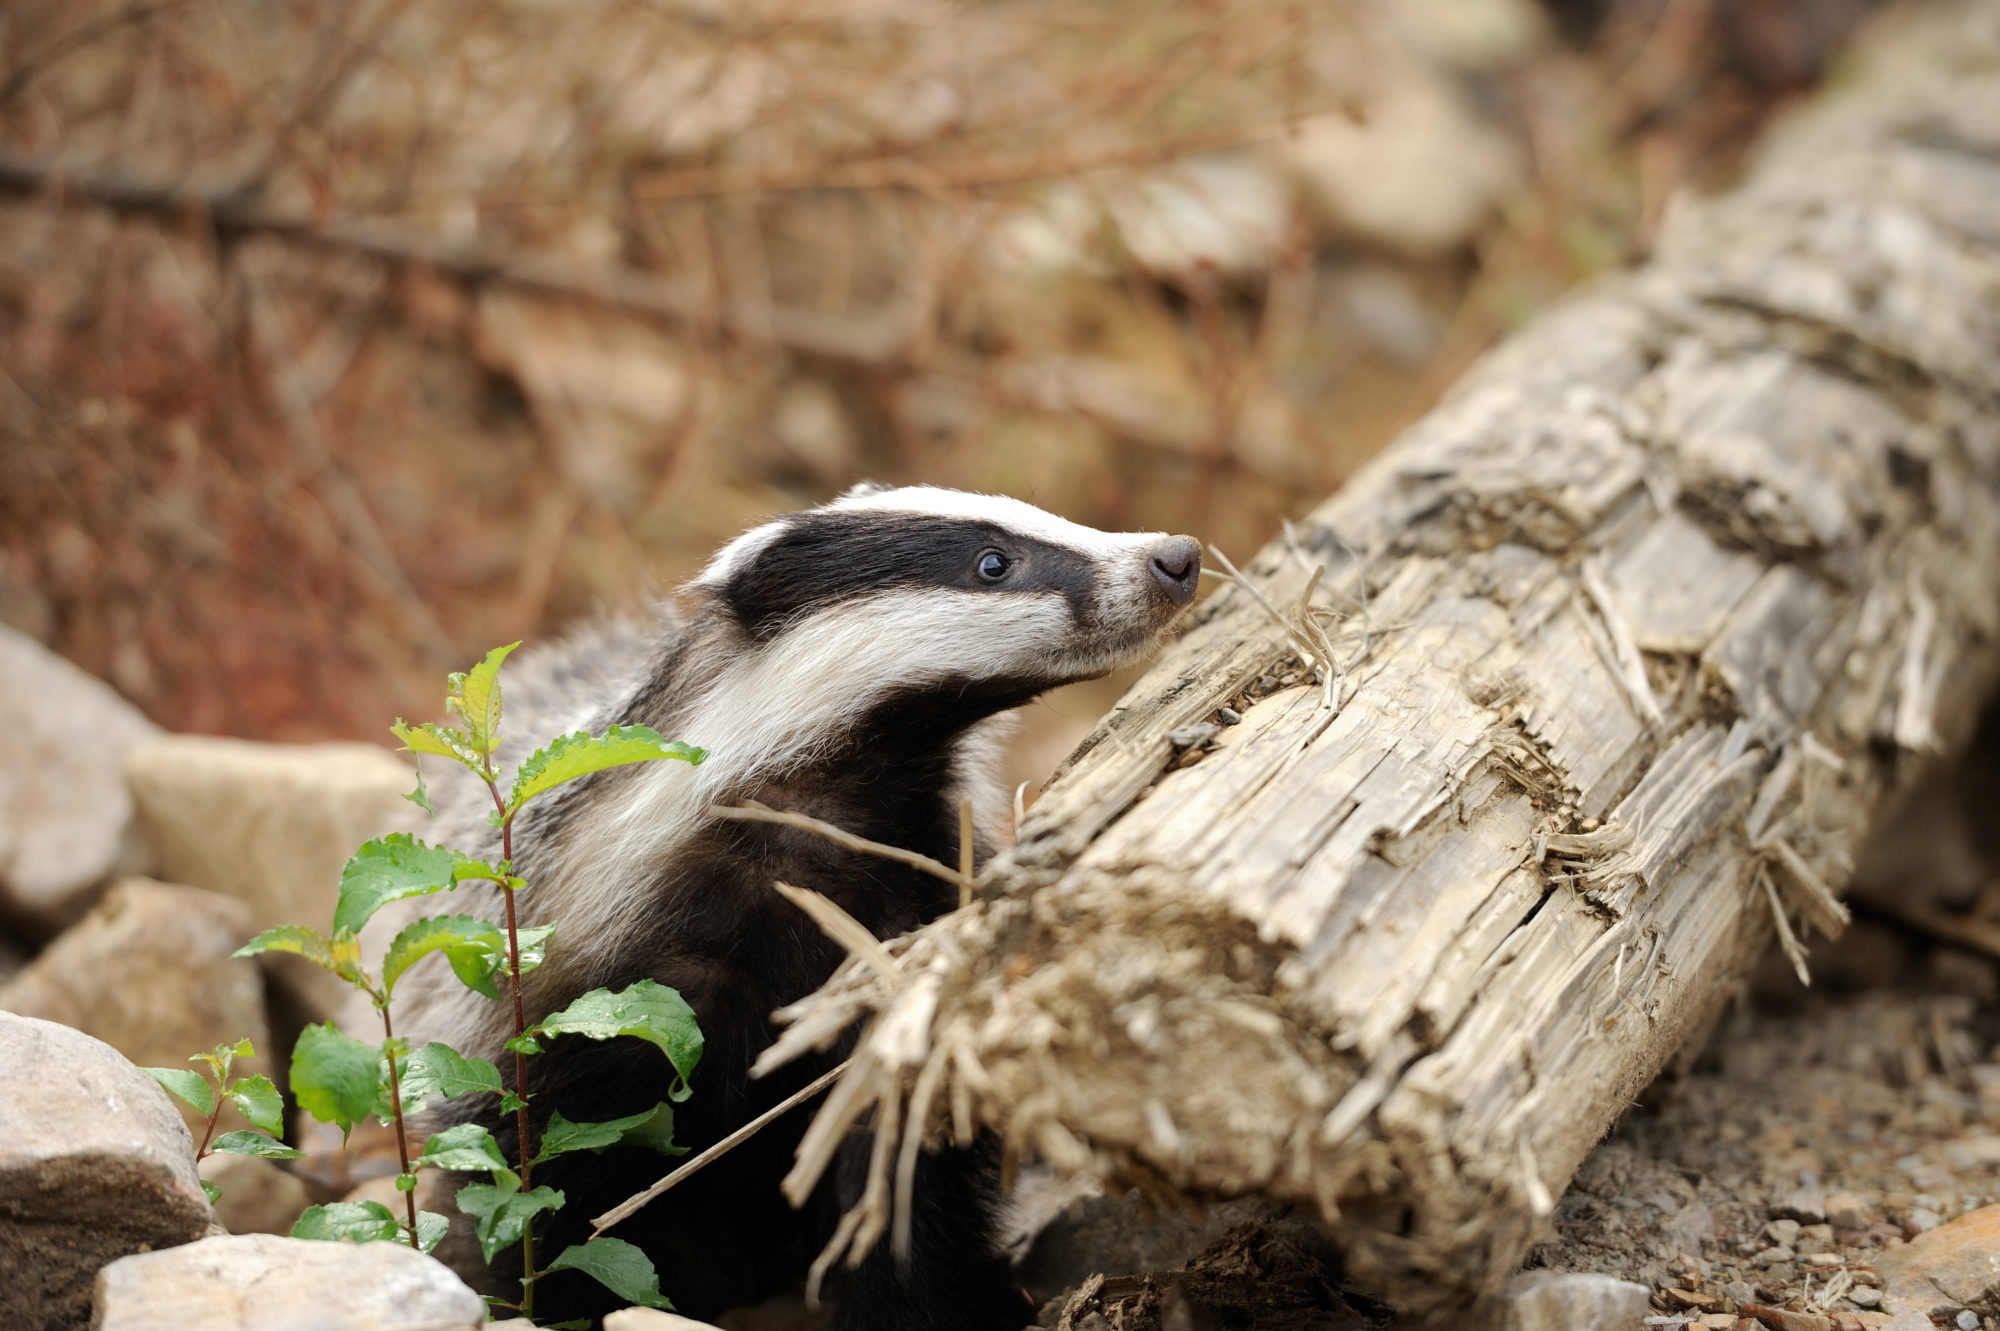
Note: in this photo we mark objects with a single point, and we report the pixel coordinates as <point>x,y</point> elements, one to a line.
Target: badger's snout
<point>1176,566</point>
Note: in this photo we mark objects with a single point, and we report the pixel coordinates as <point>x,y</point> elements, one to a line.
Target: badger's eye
<point>992,566</point>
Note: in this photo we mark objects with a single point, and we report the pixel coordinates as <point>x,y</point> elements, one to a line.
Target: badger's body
<point>853,662</point>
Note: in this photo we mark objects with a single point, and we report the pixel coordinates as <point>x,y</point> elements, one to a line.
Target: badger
<point>856,662</point>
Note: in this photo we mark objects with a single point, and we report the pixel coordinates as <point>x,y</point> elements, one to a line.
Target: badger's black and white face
<point>891,589</point>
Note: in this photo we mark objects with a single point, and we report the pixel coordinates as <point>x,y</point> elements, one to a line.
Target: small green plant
<point>342,1080</point>
<point>254,1097</point>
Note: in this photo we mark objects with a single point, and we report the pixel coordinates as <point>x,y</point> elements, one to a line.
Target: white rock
<point>94,1164</point>
<point>270,824</point>
<point>65,817</point>
<point>257,1282</point>
<point>177,992</point>
<point>1547,1302</point>
<point>1229,214</point>
<point>1418,174</point>
<point>652,1319</point>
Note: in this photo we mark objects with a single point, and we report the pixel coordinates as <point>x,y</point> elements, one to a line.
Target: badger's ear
<point>862,489</point>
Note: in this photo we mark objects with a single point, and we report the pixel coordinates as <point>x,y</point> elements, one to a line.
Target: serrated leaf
<point>501,1212</point>
<point>190,1086</point>
<point>431,1229</point>
<point>252,1143</point>
<point>430,737</point>
<point>568,757</point>
<point>511,1103</point>
<point>475,696</point>
<point>465,1147</point>
<point>438,1069</point>
<point>340,954</point>
<point>647,1010</point>
<point>389,869</point>
<point>523,1044</point>
<point>259,1102</point>
<point>473,946</point>
<point>210,1191</point>
<point>618,1266</point>
<point>348,1222</point>
<point>335,1078</point>
<point>562,1136</point>
<point>420,797</point>
<point>483,974</point>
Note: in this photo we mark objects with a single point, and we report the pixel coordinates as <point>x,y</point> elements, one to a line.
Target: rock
<point>258,1196</point>
<point>1690,1229</point>
<point>94,1164</point>
<point>1806,1204</point>
<point>1921,1220</point>
<point>652,1319</point>
<point>1865,1296</point>
<point>1951,1267</point>
<point>254,1282</point>
<point>1739,1292</point>
<point>66,820</point>
<point>1772,1256</point>
<point>1844,1210</point>
<point>1418,174</point>
<point>1979,1152</point>
<point>1542,1301</point>
<point>1908,1322</point>
<point>1782,1232</point>
<point>178,991</point>
<point>270,824</point>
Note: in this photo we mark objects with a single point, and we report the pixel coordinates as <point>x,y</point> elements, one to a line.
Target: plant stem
<point>201,1151</point>
<point>527,1150</point>
<point>402,1139</point>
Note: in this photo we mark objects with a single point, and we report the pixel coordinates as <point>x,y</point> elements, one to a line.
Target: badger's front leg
<point>955,1279</point>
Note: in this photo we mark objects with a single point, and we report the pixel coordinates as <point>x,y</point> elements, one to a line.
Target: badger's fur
<point>854,662</point>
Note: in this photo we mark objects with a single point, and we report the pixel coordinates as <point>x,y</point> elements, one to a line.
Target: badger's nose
<point>1176,565</point>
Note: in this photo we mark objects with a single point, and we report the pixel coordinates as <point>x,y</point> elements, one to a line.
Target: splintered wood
<point>1634,633</point>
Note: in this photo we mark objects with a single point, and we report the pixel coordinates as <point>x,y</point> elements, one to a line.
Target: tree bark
<point>1547,720</point>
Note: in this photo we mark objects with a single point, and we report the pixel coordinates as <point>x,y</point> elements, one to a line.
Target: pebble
<point>1923,1220</point>
<point>1772,1256</point>
<point>1739,1292</point>
<point>1806,1204</point>
<point>1865,1296</point>
<point>1847,1211</point>
<point>1228,716</point>
<point>1783,1231</point>
<point>1968,1321</point>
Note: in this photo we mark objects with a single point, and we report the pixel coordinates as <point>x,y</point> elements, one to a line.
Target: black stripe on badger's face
<point>819,559</point>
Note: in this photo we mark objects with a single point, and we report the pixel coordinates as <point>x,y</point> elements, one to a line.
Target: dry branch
<point>1679,578</point>
<point>232,211</point>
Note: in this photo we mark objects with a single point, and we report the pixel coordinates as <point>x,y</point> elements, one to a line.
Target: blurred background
<point>343,339</point>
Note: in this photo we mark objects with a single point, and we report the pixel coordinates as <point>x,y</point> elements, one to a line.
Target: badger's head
<point>917,591</point>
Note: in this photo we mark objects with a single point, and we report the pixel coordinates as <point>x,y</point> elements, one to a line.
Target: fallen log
<point>1410,865</point>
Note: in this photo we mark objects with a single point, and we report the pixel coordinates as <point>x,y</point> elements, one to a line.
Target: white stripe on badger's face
<point>801,683</point>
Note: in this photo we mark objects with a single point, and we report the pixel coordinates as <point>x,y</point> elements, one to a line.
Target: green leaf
<point>259,1102</point>
<point>618,1266</point>
<point>210,1191</point>
<point>501,1211</point>
<point>335,1078</point>
<point>340,954</point>
<point>511,1103</point>
<point>350,1222</point>
<point>192,1087</point>
<point>438,1069</point>
<point>568,757</point>
<point>388,869</point>
<point>467,1146</point>
<point>524,1044</point>
<point>648,1010</point>
<point>482,972</point>
<point>420,797</point>
<point>430,737</point>
<point>473,947</point>
<point>643,1129</point>
<point>431,1229</point>
<point>252,1143</point>
<point>475,696</point>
